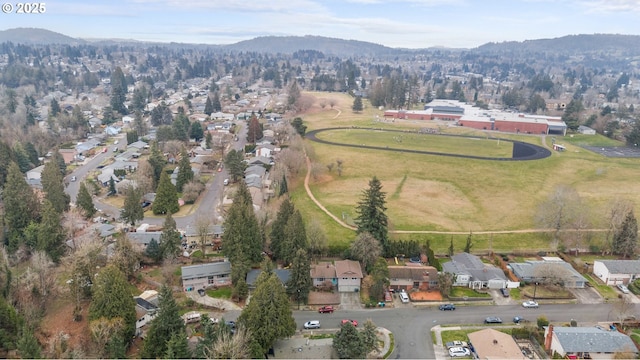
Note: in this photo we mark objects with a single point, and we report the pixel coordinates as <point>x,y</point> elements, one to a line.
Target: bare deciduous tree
<point>317,238</point>
<point>330,166</point>
<point>366,249</point>
<point>203,224</point>
<point>552,275</point>
<point>559,211</point>
<point>144,177</point>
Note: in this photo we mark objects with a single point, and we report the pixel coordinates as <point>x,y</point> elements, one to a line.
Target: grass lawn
<point>544,292</point>
<point>458,291</point>
<point>437,193</point>
<point>220,293</point>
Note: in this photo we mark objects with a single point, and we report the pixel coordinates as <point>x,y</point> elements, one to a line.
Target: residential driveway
<point>587,295</point>
<point>350,301</point>
<point>498,299</point>
<point>206,300</point>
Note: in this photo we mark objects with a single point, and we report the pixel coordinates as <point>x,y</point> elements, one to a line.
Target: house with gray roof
<point>142,239</point>
<point>470,271</point>
<point>549,267</point>
<point>139,145</point>
<point>252,276</point>
<point>614,272</point>
<point>202,276</point>
<point>578,341</point>
<point>213,231</point>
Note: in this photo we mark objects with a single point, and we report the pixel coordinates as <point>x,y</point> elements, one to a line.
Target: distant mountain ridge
<point>37,36</point>
<point>570,44</point>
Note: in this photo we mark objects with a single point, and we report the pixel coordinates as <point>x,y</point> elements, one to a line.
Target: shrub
<point>542,321</point>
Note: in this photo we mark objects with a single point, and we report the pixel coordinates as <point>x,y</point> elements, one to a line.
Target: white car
<point>459,352</point>
<point>313,324</point>
<point>623,288</point>
<point>530,304</point>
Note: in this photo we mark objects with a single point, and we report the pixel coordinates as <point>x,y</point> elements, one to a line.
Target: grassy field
<point>436,193</point>
<point>426,142</point>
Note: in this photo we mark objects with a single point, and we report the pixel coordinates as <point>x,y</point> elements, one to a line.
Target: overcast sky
<point>393,23</point>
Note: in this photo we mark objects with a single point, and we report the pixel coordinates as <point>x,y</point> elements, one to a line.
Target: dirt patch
<point>425,296</point>
<point>59,319</point>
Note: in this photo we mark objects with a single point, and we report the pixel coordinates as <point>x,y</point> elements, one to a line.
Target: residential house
<point>260,161</point>
<point>174,174</point>
<point>585,130</point>
<point>414,276</point>
<point>212,232</point>
<point>68,155</point>
<point>142,239</point>
<point>614,272</point>
<point>470,271</point>
<point>202,276</point>
<point>323,275</point>
<point>349,275</point>
<point>252,276</point>
<point>86,146</point>
<point>106,231</point>
<point>146,309</point>
<point>265,151</point>
<point>538,270</point>
<point>35,173</point>
<point>494,344</point>
<point>139,145</point>
<point>578,342</point>
<point>106,175</point>
<point>112,130</point>
<point>127,119</point>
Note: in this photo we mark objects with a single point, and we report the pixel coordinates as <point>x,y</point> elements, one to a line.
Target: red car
<point>326,309</point>
<point>353,322</point>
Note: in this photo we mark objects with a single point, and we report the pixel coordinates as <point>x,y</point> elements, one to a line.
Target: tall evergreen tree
<point>58,159</point>
<point>295,237</point>
<point>348,343</point>
<point>21,206</point>
<point>196,132</point>
<point>284,187</point>
<point>113,299</point>
<point>215,102</point>
<point>170,239</point>
<point>21,157</point>
<point>51,235</point>
<point>118,91</point>
<point>234,161</point>
<point>208,107</point>
<point>85,201</point>
<point>468,245</point>
<point>357,104</point>
<point>28,346</point>
<point>242,233</point>
<point>167,323</point>
<point>625,240</point>
<point>153,251</point>
<point>178,346</point>
<point>157,161</point>
<point>277,235</point>
<point>371,216</point>
<point>32,153</point>
<point>53,187</point>
<point>166,197</point>
<point>268,316</point>
<point>300,280</point>
<point>185,173</point>
<point>132,208</point>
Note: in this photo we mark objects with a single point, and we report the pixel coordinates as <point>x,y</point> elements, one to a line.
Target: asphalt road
<point>412,326</point>
<point>208,204</point>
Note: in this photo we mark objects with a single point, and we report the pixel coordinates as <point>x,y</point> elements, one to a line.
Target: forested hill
<point>571,44</point>
<point>36,36</point>
<point>291,44</point>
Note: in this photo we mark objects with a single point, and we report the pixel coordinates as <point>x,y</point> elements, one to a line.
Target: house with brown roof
<point>323,274</point>
<point>410,277</point>
<point>349,275</point>
<point>493,344</point>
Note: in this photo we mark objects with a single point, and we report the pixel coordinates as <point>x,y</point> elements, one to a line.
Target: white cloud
<point>236,5</point>
<point>610,6</point>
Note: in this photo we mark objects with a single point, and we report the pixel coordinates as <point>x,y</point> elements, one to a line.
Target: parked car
<point>505,292</point>
<point>517,320</point>
<point>226,182</point>
<point>326,309</point>
<point>231,324</point>
<point>73,178</point>
<point>313,324</point>
<point>493,320</point>
<point>623,288</point>
<point>459,352</point>
<point>456,343</point>
<point>201,292</point>
<point>530,304</point>
<point>447,307</point>
<point>353,322</point>
<point>115,149</point>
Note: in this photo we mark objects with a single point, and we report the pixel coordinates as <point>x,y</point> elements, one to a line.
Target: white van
<point>226,182</point>
<point>404,297</point>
